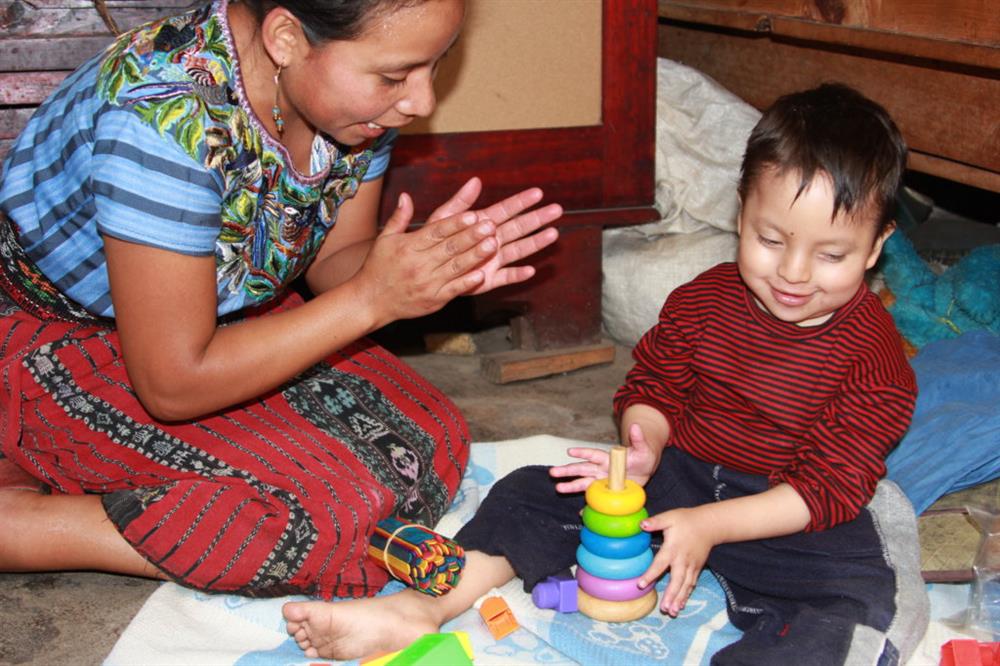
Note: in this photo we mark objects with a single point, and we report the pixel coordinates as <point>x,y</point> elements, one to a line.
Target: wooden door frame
<point>602,175</point>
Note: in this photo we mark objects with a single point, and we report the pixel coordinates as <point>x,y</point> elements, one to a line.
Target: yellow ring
<point>615,502</point>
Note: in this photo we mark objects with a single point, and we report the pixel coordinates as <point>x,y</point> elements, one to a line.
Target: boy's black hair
<point>832,130</point>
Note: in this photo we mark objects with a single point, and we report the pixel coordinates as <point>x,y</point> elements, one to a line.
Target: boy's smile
<point>801,266</point>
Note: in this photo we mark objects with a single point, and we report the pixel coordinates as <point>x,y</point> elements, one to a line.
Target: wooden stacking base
<point>616,611</point>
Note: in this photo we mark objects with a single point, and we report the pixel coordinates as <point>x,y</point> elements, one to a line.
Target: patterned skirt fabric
<point>276,496</point>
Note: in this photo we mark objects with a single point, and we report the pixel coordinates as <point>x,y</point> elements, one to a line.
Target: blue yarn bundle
<point>930,306</point>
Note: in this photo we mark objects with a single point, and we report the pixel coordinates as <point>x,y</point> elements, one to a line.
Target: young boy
<point>759,413</point>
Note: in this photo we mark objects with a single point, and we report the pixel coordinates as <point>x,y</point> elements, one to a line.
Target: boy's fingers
<point>575,486</point>
<point>574,469</point>
<point>680,594</point>
<point>656,523</point>
<point>659,565</point>
<point>675,590</point>
<point>596,456</point>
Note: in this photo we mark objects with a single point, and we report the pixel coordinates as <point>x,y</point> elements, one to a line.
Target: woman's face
<point>355,90</point>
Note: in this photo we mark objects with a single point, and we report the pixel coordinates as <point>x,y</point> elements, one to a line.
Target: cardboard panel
<point>521,64</point>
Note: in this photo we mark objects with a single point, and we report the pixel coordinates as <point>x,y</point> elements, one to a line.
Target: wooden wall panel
<point>946,110</point>
<point>972,21</point>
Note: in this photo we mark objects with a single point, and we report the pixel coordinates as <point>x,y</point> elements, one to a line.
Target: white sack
<point>701,133</point>
<point>640,271</point>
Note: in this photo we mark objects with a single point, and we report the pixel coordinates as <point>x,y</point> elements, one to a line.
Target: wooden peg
<point>616,468</point>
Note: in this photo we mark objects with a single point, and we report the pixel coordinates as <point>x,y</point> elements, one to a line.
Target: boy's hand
<point>687,540</point>
<point>643,460</point>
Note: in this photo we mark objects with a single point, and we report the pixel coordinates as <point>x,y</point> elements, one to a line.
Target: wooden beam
<point>13,120</point>
<point>519,365</point>
<point>48,53</point>
<point>946,113</point>
<point>28,88</point>
<point>967,30</point>
<point>951,170</point>
<point>22,18</point>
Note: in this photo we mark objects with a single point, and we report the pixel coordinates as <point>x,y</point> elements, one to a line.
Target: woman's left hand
<point>515,231</point>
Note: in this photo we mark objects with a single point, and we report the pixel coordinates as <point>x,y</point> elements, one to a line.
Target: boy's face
<point>799,266</point>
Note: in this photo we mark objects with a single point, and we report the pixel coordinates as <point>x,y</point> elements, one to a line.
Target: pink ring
<point>609,590</point>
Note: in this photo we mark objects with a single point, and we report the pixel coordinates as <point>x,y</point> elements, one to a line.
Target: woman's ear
<point>282,36</point>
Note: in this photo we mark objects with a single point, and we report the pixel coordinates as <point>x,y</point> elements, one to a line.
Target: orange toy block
<point>498,617</point>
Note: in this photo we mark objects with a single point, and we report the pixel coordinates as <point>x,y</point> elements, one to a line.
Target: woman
<point>193,417</point>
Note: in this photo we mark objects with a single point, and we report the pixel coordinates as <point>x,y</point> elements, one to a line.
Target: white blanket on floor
<point>184,627</point>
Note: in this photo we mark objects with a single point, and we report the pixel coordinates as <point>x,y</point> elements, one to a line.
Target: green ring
<point>614,526</point>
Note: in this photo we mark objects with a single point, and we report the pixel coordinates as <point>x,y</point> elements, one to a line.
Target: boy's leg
<point>524,520</point>
<point>523,527</point>
<point>844,595</point>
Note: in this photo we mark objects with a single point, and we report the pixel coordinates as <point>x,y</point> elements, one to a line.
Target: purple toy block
<point>557,592</point>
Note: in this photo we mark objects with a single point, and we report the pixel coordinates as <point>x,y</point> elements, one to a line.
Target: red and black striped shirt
<point>816,407</point>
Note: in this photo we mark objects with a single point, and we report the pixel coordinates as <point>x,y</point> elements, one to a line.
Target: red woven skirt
<point>277,496</point>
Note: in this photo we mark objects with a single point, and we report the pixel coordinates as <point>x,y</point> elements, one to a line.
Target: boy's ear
<point>282,36</point>
<point>879,242</point>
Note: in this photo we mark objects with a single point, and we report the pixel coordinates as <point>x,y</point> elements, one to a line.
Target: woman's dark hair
<point>833,130</point>
<point>328,20</point>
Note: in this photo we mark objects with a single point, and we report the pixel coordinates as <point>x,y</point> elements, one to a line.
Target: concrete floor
<point>76,618</point>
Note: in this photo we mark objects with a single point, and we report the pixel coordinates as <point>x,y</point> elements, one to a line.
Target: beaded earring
<point>279,122</point>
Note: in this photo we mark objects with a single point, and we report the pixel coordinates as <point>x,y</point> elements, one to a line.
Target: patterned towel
<point>183,627</point>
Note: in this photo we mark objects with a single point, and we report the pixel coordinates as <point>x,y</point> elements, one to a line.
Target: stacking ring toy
<point>610,590</point>
<point>606,567</point>
<point>614,526</point>
<point>616,611</point>
<point>615,548</point>
<point>615,502</point>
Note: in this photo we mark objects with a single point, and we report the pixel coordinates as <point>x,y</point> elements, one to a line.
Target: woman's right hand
<point>459,251</point>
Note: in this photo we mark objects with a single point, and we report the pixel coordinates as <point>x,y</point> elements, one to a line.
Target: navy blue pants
<point>797,598</point>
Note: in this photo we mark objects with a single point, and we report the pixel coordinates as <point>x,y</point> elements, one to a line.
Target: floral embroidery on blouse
<point>179,76</point>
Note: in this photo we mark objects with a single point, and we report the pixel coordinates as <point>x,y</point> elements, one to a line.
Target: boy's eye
<point>392,81</point>
<point>833,257</point>
<point>768,242</point>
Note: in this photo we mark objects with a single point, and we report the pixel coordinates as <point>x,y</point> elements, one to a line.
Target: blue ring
<point>605,567</point>
<point>616,548</point>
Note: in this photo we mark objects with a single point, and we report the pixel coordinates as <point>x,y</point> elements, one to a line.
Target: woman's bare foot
<point>359,627</point>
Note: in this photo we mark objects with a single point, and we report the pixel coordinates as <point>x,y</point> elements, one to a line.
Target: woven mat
<point>948,539</point>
